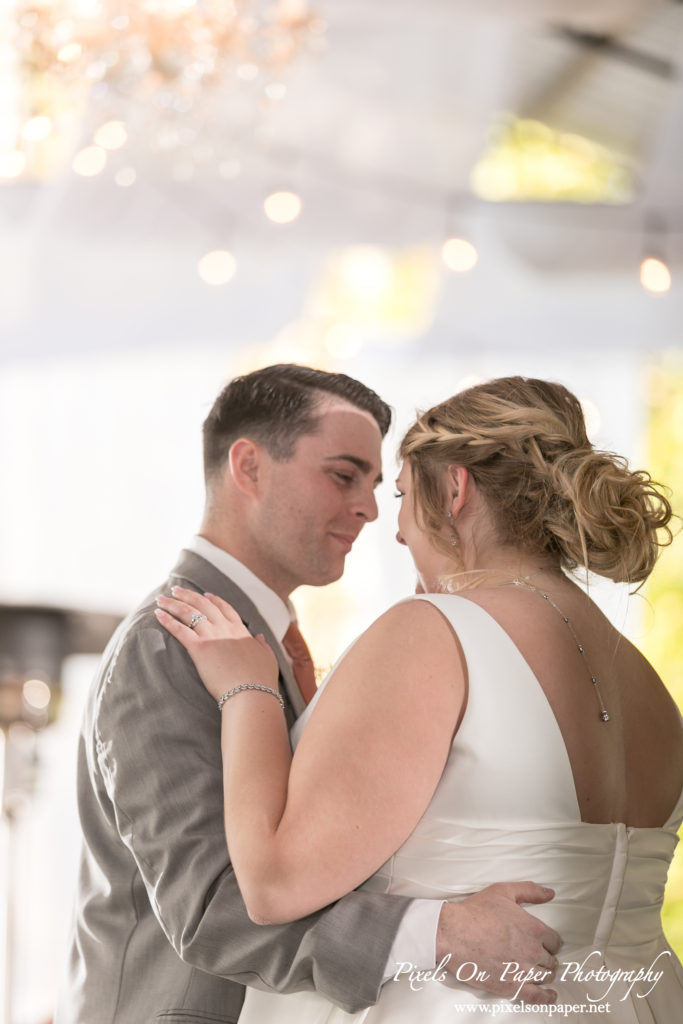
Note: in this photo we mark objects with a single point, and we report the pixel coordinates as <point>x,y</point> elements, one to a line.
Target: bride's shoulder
<point>422,608</point>
<point>413,629</point>
<point>410,650</point>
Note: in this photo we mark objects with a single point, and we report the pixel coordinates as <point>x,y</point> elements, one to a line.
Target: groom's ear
<point>245,463</point>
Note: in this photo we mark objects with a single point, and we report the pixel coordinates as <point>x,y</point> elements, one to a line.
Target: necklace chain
<point>604,714</point>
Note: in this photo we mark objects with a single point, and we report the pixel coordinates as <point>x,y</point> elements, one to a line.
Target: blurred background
<point>420,195</point>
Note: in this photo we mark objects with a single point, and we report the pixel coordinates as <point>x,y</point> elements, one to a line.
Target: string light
<point>111,135</point>
<point>282,207</point>
<point>459,255</point>
<point>36,129</point>
<point>37,694</point>
<point>655,276</point>
<point>90,162</point>
<point>217,267</point>
<point>125,177</point>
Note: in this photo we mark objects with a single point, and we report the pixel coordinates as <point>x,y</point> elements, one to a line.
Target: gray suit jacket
<point>161,933</point>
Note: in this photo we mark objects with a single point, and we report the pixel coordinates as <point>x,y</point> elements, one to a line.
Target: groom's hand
<point>491,931</point>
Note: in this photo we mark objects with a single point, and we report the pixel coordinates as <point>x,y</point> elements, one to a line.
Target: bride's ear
<point>457,486</point>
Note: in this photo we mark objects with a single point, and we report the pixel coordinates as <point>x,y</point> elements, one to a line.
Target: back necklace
<point>604,713</point>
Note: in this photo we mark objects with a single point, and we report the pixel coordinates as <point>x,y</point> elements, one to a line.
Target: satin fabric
<point>506,809</point>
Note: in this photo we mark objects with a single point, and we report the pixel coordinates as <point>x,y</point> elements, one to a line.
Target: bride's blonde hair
<point>548,489</point>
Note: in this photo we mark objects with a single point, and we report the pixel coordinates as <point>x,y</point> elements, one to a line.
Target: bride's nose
<point>399,538</point>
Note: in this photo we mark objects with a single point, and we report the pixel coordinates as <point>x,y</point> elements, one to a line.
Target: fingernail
<point>158,612</point>
<point>207,593</point>
<point>173,589</point>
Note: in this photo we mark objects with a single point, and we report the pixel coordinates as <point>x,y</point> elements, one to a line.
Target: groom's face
<point>312,506</point>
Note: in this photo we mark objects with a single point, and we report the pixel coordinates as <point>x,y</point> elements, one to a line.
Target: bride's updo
<point>548,489</point>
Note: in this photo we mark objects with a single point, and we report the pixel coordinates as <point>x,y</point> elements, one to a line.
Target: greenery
<point>663,644</point>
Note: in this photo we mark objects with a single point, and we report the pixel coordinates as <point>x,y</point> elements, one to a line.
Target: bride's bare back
<point>629,769</point>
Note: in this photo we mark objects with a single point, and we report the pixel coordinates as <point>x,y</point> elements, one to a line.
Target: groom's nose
<point>366,506</point>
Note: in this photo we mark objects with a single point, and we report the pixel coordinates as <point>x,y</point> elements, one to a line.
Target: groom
<point>161,933</point>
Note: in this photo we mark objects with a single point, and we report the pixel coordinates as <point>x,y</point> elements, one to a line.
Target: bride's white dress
<point>506,809</point>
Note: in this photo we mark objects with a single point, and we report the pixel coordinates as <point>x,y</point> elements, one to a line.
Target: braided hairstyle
<point>548,489</point>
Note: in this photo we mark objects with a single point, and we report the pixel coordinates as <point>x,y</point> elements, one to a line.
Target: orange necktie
<point>302,663</point>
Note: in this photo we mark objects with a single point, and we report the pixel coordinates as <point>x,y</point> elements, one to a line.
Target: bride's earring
<point>453,538</point>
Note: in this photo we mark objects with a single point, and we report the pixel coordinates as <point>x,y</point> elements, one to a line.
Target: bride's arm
<point>302,835</point>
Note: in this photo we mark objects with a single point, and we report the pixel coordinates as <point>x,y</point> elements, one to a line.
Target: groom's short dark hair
<point>276,406</point>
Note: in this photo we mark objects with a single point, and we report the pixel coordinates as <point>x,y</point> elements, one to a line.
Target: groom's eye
<point>346,478</point>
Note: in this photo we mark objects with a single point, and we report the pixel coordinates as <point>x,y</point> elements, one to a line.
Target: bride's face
<point>430,563</point>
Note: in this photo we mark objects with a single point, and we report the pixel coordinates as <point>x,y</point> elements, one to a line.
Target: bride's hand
<point>222,648</point>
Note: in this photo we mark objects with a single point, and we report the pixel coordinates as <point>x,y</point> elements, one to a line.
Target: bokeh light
<point>459,255</point>
<point>655,276</point>
<point>37,128</point>
<point>217,267</point>
<point>111,135</point>
<point>90,162</point>
<point>37,694</point>
<point>282,207</point>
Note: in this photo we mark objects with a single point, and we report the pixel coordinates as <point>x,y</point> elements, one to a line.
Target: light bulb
<point>36,694</point>
<point>125,177</point>
<point>655,276</point>
<point>217,267</point>
<point>459,255</point>
<point>111,135</point>
<point>90,161</point>
<point>37,128</point>
<point>282,207</point>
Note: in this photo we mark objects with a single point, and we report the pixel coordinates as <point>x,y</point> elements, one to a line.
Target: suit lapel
<point>195,570</point>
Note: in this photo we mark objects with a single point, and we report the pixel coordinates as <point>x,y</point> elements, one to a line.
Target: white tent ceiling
<point>379,134</point>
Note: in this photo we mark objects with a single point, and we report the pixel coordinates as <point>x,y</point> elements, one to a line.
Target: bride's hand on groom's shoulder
<point>223,650</point>
<point>492,932</point>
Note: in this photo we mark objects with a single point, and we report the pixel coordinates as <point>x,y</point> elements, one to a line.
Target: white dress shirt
<point>415,941</point>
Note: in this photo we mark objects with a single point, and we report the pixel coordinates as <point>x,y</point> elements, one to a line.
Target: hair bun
<point>609,517</point>
<point>547,488</point>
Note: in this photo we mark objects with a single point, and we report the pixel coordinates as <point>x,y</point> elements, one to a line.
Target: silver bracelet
<point>249,686</point>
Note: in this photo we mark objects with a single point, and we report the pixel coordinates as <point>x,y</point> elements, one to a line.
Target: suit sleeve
<point>157,751</point>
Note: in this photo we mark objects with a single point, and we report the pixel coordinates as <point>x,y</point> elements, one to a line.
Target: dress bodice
<point>506,809</point>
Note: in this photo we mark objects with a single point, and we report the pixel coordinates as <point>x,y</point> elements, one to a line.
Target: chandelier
<point>170,76</point>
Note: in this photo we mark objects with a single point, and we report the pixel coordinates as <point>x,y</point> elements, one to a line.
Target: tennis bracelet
<point>249,686</point>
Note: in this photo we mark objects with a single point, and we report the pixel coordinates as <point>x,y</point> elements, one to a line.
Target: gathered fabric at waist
<point>608,880</point>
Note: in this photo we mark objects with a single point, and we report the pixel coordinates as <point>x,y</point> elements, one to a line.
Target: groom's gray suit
<point>161,933</point>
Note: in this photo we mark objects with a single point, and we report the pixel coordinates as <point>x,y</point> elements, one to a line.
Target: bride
<point>494,726</point>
